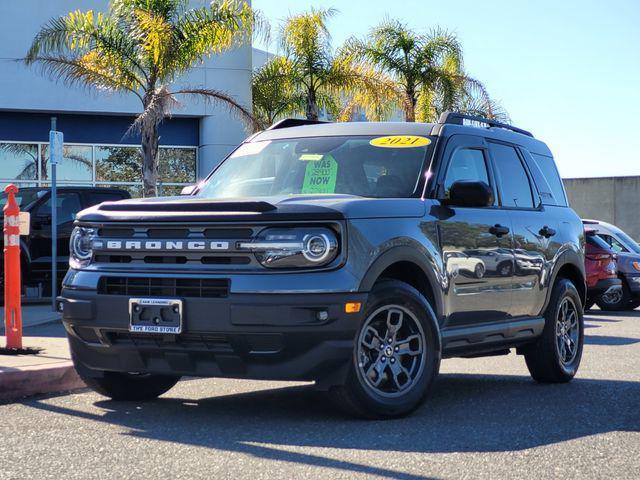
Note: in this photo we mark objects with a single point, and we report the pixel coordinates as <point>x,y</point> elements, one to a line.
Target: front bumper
<point>633,281</point>
<point>258,336</point>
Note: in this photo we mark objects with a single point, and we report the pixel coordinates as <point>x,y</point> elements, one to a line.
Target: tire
<point>633,305</point>
<point>479,271</point>
<point>546,360</point>
<point>382,382</point>
<point>621,304</point>
<point>505,269</point>
<point>129,386</point>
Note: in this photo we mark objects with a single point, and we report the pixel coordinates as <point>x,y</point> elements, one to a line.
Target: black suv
<point>35,249</point>
<point>356,255</point>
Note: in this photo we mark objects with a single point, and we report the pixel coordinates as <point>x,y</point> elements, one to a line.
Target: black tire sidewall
<point>398,293</point>
<point>563,289</point>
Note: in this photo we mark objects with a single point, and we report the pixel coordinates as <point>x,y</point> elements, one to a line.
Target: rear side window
<point>551,178</point>
<point>513,181</point>
<point>597,242</point>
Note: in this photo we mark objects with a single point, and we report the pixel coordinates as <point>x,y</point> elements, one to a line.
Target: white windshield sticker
<point>251,148</point>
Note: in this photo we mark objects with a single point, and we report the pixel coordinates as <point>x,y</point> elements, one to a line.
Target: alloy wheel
<point>391,351</point>
<point>567,331</point>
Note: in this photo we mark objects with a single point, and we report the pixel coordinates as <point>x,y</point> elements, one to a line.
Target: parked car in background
<point>35,249</point>
<point>628,262</point>
<point>603,285</point>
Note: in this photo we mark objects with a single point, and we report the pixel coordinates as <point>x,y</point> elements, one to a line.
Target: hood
<point>299,207</point>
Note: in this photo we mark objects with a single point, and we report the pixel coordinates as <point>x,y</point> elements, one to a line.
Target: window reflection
<point>77,164</point>
<point>18,161</point>
<point>118,166</point>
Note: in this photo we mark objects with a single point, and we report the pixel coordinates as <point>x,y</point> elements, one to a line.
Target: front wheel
<point>131,386</point>
<point>555,356</point>
<point>396,354</point>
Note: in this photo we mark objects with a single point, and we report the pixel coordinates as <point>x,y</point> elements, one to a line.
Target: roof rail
<point>294,122</point>
<point>455,118</point>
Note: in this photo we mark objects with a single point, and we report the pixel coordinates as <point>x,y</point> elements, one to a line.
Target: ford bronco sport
<point>355,255</point>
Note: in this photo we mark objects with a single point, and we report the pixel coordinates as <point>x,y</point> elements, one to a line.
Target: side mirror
<point>468,193</point>
<point>188,190</point>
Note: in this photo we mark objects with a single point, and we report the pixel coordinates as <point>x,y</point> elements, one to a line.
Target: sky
<point>566,70</point>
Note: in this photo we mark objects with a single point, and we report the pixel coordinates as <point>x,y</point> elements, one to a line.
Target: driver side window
<point>466,164</point>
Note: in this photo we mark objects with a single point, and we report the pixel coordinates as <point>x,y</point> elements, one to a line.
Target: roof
<point>329,129</point>
<point>347,128</point>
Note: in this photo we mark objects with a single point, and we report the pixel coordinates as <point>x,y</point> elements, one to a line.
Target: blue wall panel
<point>30,127</point>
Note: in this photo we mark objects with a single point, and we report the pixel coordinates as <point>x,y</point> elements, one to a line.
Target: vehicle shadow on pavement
<point>464,413</point>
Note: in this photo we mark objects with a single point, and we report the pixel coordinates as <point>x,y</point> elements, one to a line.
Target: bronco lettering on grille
<point>192,245</point>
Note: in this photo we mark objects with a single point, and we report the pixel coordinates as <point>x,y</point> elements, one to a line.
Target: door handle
<point>547,232</point>
<point>498,230</point>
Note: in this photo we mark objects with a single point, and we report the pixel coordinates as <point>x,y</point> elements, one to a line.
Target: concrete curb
<point>38,379</point>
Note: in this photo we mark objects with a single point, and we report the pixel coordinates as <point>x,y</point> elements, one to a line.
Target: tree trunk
<point>410,106</point>
<point>312,105</point>
<point>150,142</point>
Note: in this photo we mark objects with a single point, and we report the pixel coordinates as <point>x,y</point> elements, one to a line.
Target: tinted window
<point>613,242</point>
<point>596,241</point>
<point>513,182</point>
<point>551,178</point>
<point>68,204</point>
<point>466,164</point>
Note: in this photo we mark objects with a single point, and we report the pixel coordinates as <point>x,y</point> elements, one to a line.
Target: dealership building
<point>98,148</point>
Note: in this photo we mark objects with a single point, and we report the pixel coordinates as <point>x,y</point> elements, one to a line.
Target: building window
<point>76,166</point>
<point>18,162</point>
<point>119,166</point>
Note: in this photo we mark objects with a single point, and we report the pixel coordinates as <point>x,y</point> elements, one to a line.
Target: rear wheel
<point>131,386</point>
<point>615,302</point>
<point>396,354</point>
<point>556,355</point>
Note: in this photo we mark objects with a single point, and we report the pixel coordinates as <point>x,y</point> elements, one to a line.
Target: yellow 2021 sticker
<point>400,141</point>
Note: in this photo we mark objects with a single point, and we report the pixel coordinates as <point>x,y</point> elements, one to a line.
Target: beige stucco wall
<point>612,199</point>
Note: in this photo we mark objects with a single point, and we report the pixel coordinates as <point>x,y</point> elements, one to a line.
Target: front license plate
<point>155,315</point>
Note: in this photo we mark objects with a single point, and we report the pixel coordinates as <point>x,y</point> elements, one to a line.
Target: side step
<point>469,340</point>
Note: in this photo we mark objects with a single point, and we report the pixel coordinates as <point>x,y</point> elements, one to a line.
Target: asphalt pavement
<point>485,418</point>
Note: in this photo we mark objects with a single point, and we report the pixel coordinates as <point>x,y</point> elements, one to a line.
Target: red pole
<point>12,308</point>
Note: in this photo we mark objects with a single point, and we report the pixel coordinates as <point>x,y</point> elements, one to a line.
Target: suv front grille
<point>164,287</point>
<point>229,258</point>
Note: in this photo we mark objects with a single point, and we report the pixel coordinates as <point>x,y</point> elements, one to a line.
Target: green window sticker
<point>320,176</point>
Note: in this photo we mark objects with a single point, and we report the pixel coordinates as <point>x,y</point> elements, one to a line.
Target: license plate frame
<point>156,315</point>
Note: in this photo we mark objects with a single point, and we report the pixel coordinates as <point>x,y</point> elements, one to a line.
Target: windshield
<point>380,167</point>
<point>628,241</point>
<point>23,198</point>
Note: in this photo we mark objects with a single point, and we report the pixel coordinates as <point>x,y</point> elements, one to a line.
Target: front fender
<point>422,258</point>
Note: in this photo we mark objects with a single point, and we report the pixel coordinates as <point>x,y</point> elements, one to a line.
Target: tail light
<point>601,256</point>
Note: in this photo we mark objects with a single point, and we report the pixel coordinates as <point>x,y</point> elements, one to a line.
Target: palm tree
<point>273,92</point>
<point>428,69</point>
<point>320,77</point>
<point>141,47</point>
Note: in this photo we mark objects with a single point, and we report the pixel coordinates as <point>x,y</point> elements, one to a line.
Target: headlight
<point>80,250</point>
<point>293,247</point>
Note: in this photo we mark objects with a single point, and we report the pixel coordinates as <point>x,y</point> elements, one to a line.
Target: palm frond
<point>219,98</point>
<point>87,71</point>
